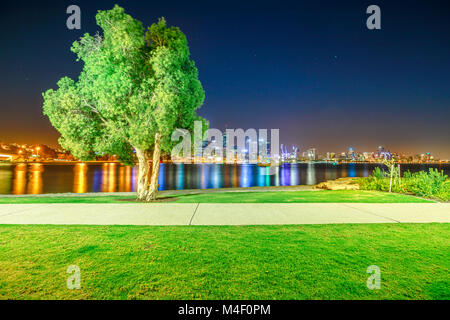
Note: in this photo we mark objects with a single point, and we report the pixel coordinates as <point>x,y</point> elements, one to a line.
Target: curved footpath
<point>163,214</point>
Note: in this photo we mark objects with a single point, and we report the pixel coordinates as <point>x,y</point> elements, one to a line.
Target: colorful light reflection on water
<point>36,178</point>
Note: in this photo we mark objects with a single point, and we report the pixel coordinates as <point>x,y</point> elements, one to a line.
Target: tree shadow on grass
<point>158,200</point>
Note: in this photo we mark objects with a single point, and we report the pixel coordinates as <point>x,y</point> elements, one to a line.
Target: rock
<point>339,184</point>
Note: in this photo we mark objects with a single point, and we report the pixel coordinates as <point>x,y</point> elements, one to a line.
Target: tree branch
<point>94,109</point>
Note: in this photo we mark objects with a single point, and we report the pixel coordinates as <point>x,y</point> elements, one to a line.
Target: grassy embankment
<point>345,196</point>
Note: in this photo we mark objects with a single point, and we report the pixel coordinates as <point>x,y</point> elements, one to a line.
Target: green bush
<point>431,184</point>
<point>378,173</point>
<point>379,180</point>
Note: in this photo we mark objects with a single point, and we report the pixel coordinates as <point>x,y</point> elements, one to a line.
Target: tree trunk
<point>148,185</point>
<point>143,177</point>
<point>392,175</point>
<point>153,188</point>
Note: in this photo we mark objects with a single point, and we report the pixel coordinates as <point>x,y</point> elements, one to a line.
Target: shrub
<point>431,184</point>
<point>378,173</point>
<point>379,180</point>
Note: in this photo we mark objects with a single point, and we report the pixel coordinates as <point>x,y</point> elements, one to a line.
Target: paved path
<point>223,214</point>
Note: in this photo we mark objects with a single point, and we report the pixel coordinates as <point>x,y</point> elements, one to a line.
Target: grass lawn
<point>65,199</point>
<point>259,262</point>
<point>322,196</point>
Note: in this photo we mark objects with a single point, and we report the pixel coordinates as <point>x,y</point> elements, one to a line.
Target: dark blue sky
<point>310,68</point>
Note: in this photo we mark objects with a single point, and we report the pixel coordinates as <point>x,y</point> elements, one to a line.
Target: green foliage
<point>132,86</point>
<point>379,180</point>
<point>431,184</point>
<point>428,184</point>
<point>378,173</point>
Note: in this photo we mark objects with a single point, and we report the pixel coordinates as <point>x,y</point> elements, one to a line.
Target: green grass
<point>301,197</point>
<point>65,199</point>
<point>322,196</point>
<point>255,262</point>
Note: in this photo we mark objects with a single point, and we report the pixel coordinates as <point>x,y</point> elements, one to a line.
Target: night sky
<point>310,68</point>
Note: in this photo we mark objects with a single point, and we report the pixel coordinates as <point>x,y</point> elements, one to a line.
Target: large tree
<point>135,89</point>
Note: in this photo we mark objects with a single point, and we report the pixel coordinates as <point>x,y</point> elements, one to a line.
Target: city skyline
<point>286,152</point>
<point>315,72</point>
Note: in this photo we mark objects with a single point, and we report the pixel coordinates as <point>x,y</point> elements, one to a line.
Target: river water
<point>35,178</point>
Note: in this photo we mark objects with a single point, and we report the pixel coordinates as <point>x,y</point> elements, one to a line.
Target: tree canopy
<point>134,85</point>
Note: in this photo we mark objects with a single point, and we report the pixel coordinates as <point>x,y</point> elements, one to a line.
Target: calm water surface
<point>112,177</point>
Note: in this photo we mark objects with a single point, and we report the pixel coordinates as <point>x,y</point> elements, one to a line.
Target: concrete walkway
<point>223,214</point>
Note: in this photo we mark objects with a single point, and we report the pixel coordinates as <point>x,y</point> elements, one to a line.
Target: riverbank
<point>241,195</point>
<point>165,193</point>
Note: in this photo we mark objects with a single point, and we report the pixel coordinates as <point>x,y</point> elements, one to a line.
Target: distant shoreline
<point>170,162</point>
